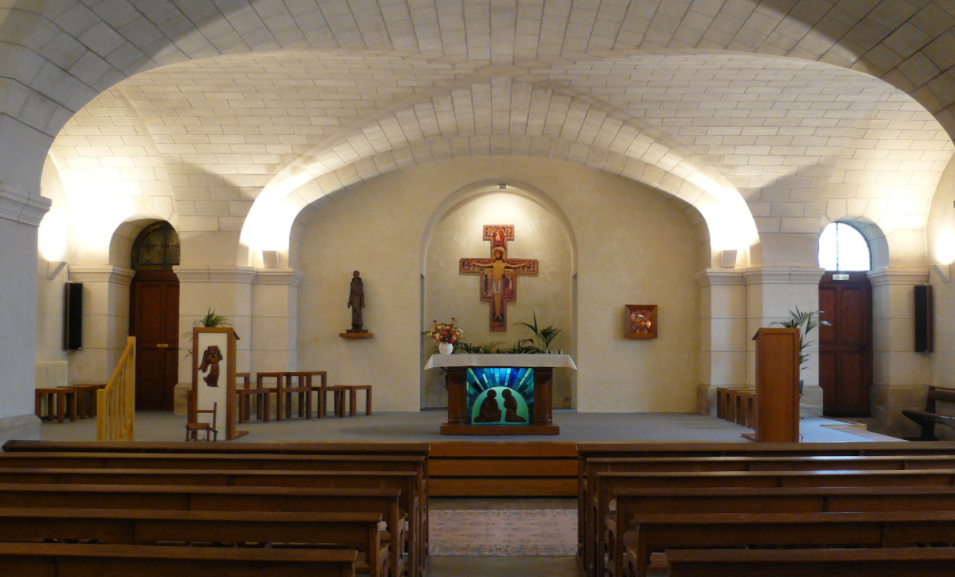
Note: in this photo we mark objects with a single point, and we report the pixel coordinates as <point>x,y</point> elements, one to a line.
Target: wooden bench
<point>736,405</point>
<point>385,502</point>
<point>243,462</point>
<point>587,452</point>
<point>317,448</point>
<point>758,463</point>
<point>659,533</point>
<point>63,399</point>
<point>48,559</point>
<point>609,483</point>
<point>352,391</point>
<point>890,562</point>
<point>632,502</point>
<point>928,418</point>
<point>406,481</point>
<point>359,531</point>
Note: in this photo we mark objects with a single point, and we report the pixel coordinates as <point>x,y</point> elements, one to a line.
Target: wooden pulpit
<point>777,385</point>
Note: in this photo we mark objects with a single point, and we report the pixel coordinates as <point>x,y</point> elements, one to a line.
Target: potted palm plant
<point>805,321</point>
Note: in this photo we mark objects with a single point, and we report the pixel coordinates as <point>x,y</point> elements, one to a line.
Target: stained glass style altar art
<point>500,396</point>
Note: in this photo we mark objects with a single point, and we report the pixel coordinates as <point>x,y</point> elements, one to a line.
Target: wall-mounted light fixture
<point>53,268</point>
<point>944,272</point>
<point>502,186</point>
<point>728,258</point>
<point>270,258</point>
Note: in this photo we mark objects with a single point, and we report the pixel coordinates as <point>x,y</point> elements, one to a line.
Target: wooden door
<point>845,348</point>
<point>154,303</point>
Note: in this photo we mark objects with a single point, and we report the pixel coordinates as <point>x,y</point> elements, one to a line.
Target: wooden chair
<point>194,426</point>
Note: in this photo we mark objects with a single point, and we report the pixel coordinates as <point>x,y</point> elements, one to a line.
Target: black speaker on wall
<point>924,341</point>
<point>73,316</point>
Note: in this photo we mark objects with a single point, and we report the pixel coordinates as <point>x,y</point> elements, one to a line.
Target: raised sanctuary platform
<point>481,466</point>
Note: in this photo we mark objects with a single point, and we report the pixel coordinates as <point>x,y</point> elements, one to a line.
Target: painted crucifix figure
<point>498,273</point>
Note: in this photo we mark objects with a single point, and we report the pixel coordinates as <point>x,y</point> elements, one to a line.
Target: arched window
<point>843,248</point>
<point>156,248</point>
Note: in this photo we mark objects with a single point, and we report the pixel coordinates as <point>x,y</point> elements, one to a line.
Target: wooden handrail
<point>116,404</point>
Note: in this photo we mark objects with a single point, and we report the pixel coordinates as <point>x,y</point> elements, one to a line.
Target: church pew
<point>587,451</point>
<point>890,562</point>
<point>659,533</point>
<point>751,463</point>
<point>230,461</point>
<point>59,560</point>
<point>358,531</point>
<point>633,502</point>
<point>384,502</point>
<point>403,480</point>
<point>309,448</point>
<point>609,483</point>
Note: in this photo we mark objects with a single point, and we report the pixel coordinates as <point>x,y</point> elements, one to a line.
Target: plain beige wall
<point>636,245</point>
<point>538,234</point>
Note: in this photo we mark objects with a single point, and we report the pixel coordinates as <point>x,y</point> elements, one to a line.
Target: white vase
<point>445,348</point>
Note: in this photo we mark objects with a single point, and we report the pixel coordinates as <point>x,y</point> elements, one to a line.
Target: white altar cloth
<point>522,361</point>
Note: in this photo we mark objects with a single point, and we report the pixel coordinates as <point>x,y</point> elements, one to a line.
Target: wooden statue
<point>210,360</point>
<point>356,302</point>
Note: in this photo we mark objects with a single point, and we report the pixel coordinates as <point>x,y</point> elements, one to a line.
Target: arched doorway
<point>154,316</point>
<point>845,346</point>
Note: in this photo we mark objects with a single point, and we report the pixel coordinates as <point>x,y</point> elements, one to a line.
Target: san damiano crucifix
<point>498,273</point>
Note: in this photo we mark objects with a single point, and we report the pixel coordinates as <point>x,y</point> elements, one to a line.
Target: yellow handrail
<point>116,404</point>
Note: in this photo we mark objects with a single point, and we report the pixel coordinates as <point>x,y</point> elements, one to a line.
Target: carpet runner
<point>503,533</point>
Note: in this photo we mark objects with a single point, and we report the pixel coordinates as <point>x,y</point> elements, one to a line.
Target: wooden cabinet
<point>777,385</point>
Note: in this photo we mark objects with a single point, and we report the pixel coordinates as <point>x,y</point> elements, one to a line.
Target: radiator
<point>52,374</point>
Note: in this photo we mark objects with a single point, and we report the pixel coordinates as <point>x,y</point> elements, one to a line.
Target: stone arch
<point>60,56</point>
<point>513,187</point>
<point>723,226</point>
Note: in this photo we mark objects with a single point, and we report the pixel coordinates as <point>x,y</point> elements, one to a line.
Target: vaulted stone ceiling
<point>777,104</point>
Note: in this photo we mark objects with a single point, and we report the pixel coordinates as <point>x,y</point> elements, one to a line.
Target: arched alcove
<point>541,232</point>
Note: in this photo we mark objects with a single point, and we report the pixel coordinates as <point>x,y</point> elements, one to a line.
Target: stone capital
<point>285,277</point>
<point>110,274</point>
<point>20,206</point>
<point>783,275</point>
<point>720,277</point>
<point>216,274</point>
<point>898,276</point>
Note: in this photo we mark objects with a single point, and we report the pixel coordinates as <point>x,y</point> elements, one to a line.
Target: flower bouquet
<point>445,335</point>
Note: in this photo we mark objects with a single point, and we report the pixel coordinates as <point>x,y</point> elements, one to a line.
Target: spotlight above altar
<point>500,394</point>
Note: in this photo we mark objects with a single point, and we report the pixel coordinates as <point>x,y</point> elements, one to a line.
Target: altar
<point>500,394</point>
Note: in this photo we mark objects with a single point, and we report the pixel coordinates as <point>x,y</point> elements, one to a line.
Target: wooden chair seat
<point>194,426</point>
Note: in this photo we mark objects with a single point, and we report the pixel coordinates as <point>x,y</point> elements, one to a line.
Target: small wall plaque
<point>838,276</point>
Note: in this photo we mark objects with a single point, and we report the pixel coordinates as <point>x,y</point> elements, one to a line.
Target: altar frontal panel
<point>500,396</point>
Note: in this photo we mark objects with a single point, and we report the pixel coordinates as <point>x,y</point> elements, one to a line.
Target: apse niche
<point>538,234</point>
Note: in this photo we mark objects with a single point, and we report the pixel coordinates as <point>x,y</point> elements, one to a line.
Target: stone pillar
<point>275,320</point>
<point>20,215</point>
<point>105,321</point>
<point>900,376</point>
<point>723,334</point>
<point>228,292</point>
<point>771,292</point>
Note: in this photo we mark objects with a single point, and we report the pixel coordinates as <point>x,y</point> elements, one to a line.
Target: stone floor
<point>423,427</point>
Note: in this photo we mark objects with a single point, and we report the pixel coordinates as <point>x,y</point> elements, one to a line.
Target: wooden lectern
<point>777,385</point>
